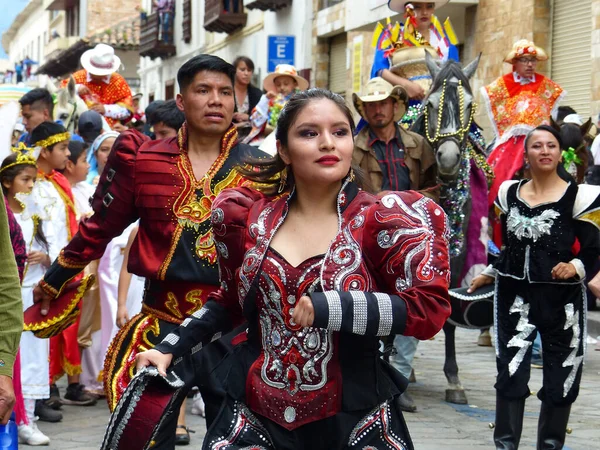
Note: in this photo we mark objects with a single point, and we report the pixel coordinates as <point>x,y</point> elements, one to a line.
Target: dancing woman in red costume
<point>321,270</point>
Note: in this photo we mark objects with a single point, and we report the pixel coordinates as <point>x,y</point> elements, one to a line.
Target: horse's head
<point>574,136</point>
<point>69,106</point>
<point>448,113</point>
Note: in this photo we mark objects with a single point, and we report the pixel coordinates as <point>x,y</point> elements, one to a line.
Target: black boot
<point>509,423</point>
<point>552,427</point>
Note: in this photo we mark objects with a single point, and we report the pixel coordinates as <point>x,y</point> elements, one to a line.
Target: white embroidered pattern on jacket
<point>530,227</point>
<point>412,229</point>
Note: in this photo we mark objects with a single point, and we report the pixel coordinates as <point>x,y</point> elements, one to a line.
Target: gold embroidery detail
<point>70,263</point>
<point>195,298</point>
<point>167,262</point>
<point>173,305</point>
<point>85,285</point>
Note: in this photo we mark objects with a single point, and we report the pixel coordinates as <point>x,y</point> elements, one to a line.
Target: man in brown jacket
<point>394,160</point>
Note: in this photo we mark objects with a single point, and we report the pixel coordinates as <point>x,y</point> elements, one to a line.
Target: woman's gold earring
<point>351,175</point>
<point>282,180</point>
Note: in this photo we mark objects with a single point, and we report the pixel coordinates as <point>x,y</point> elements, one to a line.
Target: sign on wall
<point>281,51</point>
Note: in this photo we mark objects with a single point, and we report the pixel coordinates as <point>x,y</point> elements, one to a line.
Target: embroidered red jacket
<point>153,182</point>
<point>385,273</point>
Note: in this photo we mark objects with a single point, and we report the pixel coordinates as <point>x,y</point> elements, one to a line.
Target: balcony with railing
<point>153,42</point>
<point>224,16</point>
<point>268,5</point>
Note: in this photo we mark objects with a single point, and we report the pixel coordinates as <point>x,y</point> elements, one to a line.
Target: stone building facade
<point>566,28</point>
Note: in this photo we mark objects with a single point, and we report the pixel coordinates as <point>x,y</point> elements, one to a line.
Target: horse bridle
<point>464,128</point>
<point>72,116</point>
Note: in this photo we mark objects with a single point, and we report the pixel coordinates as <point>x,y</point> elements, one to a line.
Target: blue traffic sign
<point>281,51</point>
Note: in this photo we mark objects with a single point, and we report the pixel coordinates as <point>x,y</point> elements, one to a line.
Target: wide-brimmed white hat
<point>376,90</point>
<point>524,47</point>
<point>101,60</point>
<point>398,5</point>
<point>284,70</point>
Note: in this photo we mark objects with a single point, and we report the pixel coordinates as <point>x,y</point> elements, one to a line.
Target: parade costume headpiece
<point>524,47</point>
<point>284,70</point>
<point>25,155</point>
<point>101,60</point>
<point>377,89</point>
<point>47,134</point>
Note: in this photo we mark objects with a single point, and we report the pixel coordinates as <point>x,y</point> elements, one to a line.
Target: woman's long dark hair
<point>9,175</point>
<point>562,172</point>
<point>266,172</point>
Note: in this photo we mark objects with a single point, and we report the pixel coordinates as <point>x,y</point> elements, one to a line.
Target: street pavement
<point>436,425</point>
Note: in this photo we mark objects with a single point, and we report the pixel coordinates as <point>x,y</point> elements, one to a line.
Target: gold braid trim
<point>70,263</point>
<point>86,283</point>
<point>53,140</point>
<point>48,289</point>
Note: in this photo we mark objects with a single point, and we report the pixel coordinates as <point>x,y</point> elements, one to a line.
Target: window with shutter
<point>337,64</point>
<point>571,52</point>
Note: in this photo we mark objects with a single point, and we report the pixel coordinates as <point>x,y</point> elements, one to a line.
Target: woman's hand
<point>304,312</point>
<point>122,316</point>
<point>479,281</point>
<point>563,271</point>
<point>38,258</point>
<point>415,91</point>
<point>154,358</point>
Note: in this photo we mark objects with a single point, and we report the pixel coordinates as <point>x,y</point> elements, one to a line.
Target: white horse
<point>68,105</point>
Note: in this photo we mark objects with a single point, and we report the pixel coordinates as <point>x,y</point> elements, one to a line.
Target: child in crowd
<point>88,336</point>
<point>51,140</point>
<point>17,176</point>
<point>76,172</point>
<point>98,155</point>
<point>280,86</point>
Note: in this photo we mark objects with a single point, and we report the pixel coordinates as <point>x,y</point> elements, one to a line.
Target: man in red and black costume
<point>169,185</point>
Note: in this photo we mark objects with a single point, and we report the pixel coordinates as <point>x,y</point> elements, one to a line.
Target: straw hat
<point>287,70</point>
<point>525,48</point>
<point>378,89</point>
<point>398,5</point>
<point>100,60</point>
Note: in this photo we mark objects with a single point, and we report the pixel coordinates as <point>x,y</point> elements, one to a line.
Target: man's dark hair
<point>167,113</point>
<point>244,59</point>
<point>200,63</point>
<point>76,148</point>
<point>37,98</point>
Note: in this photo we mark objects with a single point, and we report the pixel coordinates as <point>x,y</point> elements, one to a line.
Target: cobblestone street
<point>436,425</point>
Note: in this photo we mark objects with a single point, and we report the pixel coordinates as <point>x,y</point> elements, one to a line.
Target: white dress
<point>34,351</point>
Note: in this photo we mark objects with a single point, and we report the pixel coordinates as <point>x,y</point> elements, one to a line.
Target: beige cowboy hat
<point>100,60</point>
<point>398,5</point>
<point>378,89</point>
<point>284,70</point>
<point>525,48</point>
